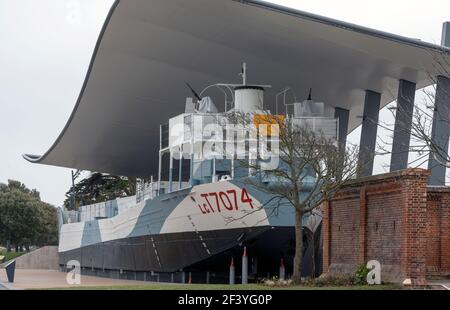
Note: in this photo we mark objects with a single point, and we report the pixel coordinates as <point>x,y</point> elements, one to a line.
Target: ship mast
<point>244,74</point>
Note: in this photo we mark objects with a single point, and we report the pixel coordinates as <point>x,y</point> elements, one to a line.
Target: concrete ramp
<point>45,258</point>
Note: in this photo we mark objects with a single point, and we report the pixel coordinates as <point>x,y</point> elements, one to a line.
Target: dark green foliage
<point>358,279</point>
<point>24,219</point>
<point>329,281</point>
<point>361,275</point>
<point>100,188</point>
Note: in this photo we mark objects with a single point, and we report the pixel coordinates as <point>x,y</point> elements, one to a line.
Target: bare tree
<point>420,121</point>
<point>311,169</point>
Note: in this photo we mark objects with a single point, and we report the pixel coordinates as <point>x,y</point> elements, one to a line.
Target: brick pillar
<point>363,226</point>
<point>414,220</point>
<point>445,234</point>
<point>326,233</point>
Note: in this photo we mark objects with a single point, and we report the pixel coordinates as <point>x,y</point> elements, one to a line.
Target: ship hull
<point>208,251</point>
<point>197,230</point>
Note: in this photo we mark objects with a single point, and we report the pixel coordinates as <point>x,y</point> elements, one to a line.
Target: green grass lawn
<point>250,287</point>
<point>10,255</point>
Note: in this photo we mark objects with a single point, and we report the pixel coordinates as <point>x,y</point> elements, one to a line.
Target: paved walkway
<point>444,283</point>
<point>44,279</point>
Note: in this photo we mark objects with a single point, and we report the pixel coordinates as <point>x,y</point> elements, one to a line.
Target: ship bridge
<point>147,50</point>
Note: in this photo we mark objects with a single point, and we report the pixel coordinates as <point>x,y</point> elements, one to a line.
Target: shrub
<point>275,282</point>
<point>361,275</point>
<point>330,281</point>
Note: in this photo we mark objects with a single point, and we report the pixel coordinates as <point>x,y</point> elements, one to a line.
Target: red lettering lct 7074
<point>224,201</point>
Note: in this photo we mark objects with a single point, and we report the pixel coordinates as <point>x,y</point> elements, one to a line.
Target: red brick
<point>393,218</point>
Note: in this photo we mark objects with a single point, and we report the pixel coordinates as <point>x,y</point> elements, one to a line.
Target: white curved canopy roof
<point>148,49</point>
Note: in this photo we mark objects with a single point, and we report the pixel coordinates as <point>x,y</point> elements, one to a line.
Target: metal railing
<point>327,126</point>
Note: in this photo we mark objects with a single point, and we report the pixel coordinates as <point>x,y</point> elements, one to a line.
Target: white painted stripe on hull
<point>181,219</point>
<point>218,217</point>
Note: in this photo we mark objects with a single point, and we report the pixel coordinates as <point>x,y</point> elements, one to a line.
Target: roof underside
<point>148,49</point>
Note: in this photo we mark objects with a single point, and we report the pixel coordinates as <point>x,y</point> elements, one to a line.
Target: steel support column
<point>441,122</point>
<point>446,34</point>
<point>369,132</point>
<point>343,116</point>
<point>440,132</point>
<point>403,124</point>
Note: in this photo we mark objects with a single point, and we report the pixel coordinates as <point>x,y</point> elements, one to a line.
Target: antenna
<point>310,95</point>
<point>244,74</point>
<point>194,92</point>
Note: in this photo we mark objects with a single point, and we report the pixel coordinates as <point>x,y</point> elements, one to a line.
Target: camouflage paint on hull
<point>177,230</point>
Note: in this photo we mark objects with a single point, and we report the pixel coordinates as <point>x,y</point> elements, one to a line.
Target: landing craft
<point>203,209</point>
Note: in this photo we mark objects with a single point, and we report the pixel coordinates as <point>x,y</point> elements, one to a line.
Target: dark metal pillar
<point>440,132</point>
<point>403,124</point>
<point>369,133</point>
<point>343,116</point>
<point>446,34</point>
<point>441,122</point>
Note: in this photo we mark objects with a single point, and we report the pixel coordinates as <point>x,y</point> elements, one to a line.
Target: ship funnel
<point>248,98</point>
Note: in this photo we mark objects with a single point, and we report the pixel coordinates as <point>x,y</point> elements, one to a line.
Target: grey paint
<point>244,275</point>
<point>282,273</point>
<point>440,132</point>
<point>91,233</point>
<point>232,274</point>
<point>155,212</point>
<point>369,132</point>
<point>136,77</point>
<point>441,128</point>
<point>403,123</point>
<point>343,116</point>
<point>446,35</point>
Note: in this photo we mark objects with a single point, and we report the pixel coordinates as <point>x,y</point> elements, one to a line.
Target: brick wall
<point>438,231</point>
<point>393,218</point>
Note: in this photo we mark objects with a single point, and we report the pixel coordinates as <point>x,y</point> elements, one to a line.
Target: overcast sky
<point>45,51</point>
